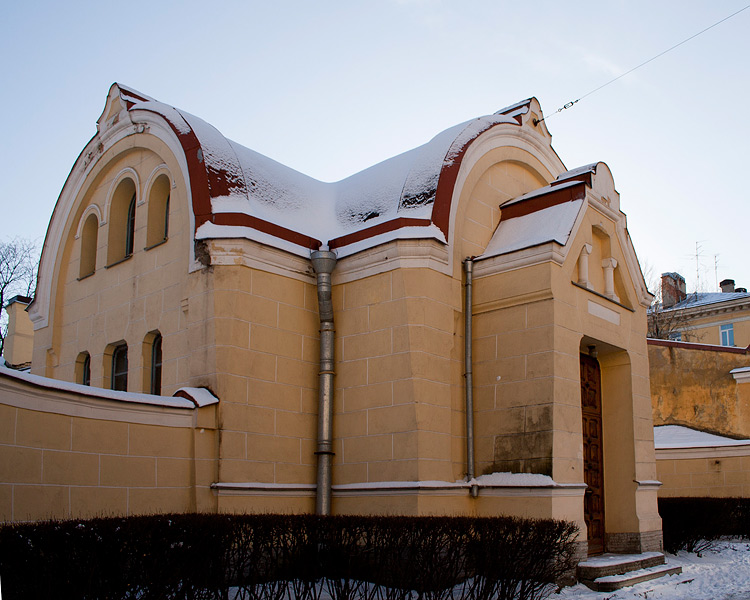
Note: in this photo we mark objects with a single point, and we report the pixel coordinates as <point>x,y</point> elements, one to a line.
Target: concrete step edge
<point>611,583</point>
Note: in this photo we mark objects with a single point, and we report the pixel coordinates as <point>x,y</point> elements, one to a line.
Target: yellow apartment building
<point>714,318</point>
<point>460,329</point>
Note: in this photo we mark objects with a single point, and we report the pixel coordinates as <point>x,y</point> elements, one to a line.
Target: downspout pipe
<point>468,332</point>
<point>324,261</point>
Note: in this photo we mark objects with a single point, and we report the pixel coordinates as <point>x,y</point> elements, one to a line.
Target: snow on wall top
<point>244,188</point>
<point>677,436</point>
<point>100,393</point>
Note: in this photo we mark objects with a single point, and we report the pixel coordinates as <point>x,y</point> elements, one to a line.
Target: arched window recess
<point>152,363</point>
<point>122,212</point>
<point>158,211</point>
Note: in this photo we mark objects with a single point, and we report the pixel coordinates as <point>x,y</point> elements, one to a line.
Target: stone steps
<point>610,572</point>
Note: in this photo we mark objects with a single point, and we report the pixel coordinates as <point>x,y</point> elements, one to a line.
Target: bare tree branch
<point>19,262</point>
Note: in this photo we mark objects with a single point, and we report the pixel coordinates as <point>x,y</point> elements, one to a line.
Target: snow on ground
<point>721,573</point>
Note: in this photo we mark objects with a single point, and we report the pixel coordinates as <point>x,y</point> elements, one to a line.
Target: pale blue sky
<point>330,88</point>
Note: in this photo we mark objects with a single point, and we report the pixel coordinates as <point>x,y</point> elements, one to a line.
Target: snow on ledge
<point>93,392</point>
<point>668,437</point>
<point>199,396</point>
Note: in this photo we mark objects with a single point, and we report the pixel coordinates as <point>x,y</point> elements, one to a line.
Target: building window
<point>119,379</point>
<point>88,246</point>
<point>158,212</point>
<point>121,238</point>
<point>152,362</point>
<point>156,366</point>
<point>130,231</point>
<point>83,368</point>
<point>727,334</point>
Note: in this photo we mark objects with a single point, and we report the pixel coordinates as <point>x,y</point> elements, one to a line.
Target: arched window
<point>121,240</point>
<point>158,212</point>
<point>130,228</point>
<point>156,367</point>
<point>88,246</point>
<point>83,368</point>
<point>152,361</point>
<point>119,378</point>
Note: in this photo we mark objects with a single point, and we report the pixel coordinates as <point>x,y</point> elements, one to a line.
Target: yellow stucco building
<point>714,318</point>
<point>236,336</point>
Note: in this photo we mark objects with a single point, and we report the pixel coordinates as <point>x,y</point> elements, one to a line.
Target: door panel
<point>593,465</point>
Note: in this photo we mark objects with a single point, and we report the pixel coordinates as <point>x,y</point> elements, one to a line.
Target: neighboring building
<point>716,318</point>
<point>19,346</point>
<point>700,386</point>
<point>178,262</point>
<point>699,381</point>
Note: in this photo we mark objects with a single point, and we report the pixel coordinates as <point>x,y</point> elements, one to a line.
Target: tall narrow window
<point>121,229</point>
<point>86,375</point>
<point>166,217</point>
<point>158,212</point>
<point>156,366</point>
<point>120,368</point>
<point>727,334</point>
<point>130,233</point>
<point>88,246</point>
<point>83,368</point>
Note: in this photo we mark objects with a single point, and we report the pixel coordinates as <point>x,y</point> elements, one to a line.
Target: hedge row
<point>278,556</point>
<point>694,524</point>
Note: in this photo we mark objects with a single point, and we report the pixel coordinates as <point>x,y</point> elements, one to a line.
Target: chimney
<point>672,289</point>
<point>727,286</point>
<point>18,345</point>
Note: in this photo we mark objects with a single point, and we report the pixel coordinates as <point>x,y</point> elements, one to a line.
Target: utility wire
<point>572,102</point>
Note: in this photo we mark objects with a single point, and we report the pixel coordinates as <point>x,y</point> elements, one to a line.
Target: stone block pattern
<point>92,467</point>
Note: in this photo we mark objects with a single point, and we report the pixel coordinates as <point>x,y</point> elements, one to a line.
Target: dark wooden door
<point>593,463</point>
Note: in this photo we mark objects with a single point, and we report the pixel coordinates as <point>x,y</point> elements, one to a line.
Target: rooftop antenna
<point>698,249</point>
<point>716,270</point>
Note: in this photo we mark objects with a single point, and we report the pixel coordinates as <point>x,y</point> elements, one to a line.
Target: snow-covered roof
<point>699,299</point>
<point>547,214</point>
<point>677,436</point>
<point>236,188</point>
<point>552,224</point>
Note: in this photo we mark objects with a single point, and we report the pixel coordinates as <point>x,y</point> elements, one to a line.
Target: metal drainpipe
<point>469,270</point>
<point>323,262</point>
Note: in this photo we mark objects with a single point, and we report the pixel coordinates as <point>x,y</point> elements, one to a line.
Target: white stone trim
<point>396,254</point>
<point>704,452</point>
<point>741,375</point>
<point>648,484</point>
<point>294,490</point>
<point>149,182</point>
<point>91,208</point>
<point>523,138</point>
<point>260,256</point>
<point>399,488</point>
<point>548,252</point>
<point>603,312</point>
<point>127,172</point>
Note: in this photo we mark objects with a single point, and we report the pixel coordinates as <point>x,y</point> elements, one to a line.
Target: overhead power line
<point>695,35</point>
